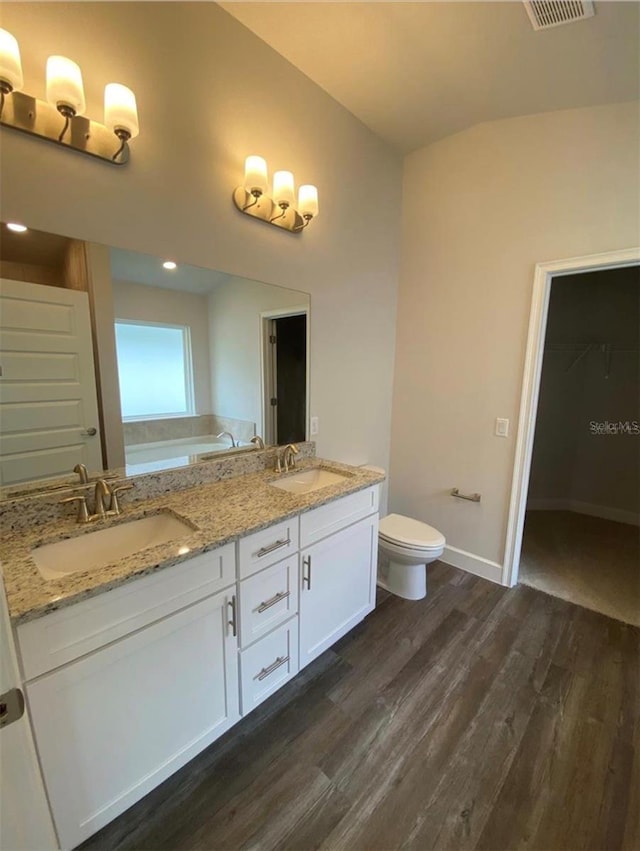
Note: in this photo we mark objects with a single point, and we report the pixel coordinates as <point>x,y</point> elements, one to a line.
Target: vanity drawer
<point>330,518</point>
<point>267,665</point>
<point>267,599</point>
<point>53,640</point>
<point>267,546</point>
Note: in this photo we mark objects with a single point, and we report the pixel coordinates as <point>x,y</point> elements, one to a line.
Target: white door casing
<point>48,400</point>
<point>544,274</point>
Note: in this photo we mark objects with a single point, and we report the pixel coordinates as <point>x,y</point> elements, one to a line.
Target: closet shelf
<point>583,349</point>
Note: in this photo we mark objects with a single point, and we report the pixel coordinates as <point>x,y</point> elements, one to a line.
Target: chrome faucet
<point>230,436</point>
<point>286,460</point>
<point>258,441</point>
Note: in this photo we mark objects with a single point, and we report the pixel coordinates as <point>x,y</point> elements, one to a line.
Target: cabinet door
<point>111,726</point>
<point>337,586</point>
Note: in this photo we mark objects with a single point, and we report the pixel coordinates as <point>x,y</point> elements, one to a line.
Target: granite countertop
<point>219,512</point>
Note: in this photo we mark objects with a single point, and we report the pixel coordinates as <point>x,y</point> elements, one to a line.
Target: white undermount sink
<point>100,547</point>
<point>308,480</point>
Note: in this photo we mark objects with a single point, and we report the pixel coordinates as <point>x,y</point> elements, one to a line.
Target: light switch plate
<point>314,426</point>
<point>502,427</point>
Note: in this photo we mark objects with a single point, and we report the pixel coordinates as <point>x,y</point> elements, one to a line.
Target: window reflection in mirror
<point>188,361</point>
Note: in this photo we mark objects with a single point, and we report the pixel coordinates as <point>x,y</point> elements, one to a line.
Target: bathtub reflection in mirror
<point>186,362</point>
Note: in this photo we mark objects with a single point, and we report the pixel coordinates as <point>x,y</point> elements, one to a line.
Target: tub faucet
<point>230,436</point>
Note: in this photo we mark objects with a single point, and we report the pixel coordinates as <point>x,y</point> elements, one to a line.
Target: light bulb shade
<point>64,84</point>
<point>283,188</point>
<point>308,200</point>
<point>255,174</point>
<point>120,110</point>
<point>10,65</point>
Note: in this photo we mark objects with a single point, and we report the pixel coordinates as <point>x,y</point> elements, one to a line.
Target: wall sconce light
<point>59,118</point>
<point>280,208</point>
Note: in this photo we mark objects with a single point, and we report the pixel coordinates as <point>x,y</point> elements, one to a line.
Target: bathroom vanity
<point>133,668</point>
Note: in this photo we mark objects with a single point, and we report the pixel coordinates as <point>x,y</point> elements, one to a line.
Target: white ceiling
<point>416,72</point>
<point>144,269</point>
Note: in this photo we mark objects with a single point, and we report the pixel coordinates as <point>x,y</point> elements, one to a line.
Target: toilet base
<point>404,580</point>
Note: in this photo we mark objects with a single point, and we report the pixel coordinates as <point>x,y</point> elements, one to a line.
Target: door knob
<point>89,432</point>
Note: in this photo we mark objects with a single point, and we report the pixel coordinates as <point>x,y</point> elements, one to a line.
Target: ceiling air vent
<point>552,13</point>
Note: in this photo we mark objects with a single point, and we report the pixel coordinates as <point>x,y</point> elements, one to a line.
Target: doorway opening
<point>285,348</point>
<point>575,508</point>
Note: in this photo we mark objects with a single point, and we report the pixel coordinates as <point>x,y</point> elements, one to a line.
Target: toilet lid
<point>410,532</point>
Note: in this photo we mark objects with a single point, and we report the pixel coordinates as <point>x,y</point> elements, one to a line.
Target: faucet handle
<point>115,504</point>
<point>83,511</point>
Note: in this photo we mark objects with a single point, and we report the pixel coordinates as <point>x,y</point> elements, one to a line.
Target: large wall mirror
<point>112,359</point>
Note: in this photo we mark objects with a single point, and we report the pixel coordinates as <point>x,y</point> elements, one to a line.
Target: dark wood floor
<point>479,718</point>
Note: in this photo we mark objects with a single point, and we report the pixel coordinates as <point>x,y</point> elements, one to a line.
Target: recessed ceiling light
<point>169,264</point>
<point>16,228</point>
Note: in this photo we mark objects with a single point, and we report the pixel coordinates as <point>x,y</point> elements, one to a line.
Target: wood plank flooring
<point>479,718</point>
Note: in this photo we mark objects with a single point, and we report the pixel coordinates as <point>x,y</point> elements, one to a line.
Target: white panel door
<point>48,400</point>
<point>113,725</point>
<point>25,820</point>
<point>337,590</point>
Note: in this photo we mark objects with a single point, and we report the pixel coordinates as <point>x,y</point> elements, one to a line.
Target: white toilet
<point>407,546</point>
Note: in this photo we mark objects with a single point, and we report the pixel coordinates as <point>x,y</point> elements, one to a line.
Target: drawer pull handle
<point>264,673</point>
<point>264,551</point>
<point>281,595</point>
<point>233,623</point>
<point>306,577</point>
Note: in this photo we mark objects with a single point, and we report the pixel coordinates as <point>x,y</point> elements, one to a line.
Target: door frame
<point>267,371</point>
<point>543,278</point>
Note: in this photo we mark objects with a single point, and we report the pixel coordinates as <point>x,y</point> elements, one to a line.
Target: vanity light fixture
<point>16,227</point>
<point>279,208</point>
<point>60,118</point>
<point>169,264</point>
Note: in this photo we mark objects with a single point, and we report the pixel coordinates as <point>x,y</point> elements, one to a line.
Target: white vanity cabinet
<point>114,723</point>
<point>127,686</point>
<point>338,585</point>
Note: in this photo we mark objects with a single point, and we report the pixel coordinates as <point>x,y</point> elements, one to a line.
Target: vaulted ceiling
<point>416,72</point>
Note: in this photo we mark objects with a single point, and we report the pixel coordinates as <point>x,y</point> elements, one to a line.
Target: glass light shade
<point>120,110</point>
<point>308,200</point>
<point>283,191</point>
<point>10,65</point>
<point>64,84</point>
<point>255,174</point>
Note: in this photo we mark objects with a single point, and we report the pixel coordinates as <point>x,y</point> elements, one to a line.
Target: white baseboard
<point>473,564</point>
<point>619,515</point>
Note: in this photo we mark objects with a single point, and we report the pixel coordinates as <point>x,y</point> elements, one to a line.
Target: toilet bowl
<point>407,546</point>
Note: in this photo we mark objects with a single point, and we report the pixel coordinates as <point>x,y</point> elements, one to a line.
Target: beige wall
<point>157,304</point>
<point>209,93</point>
<point>234,330</point>
<point>480,210</point>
